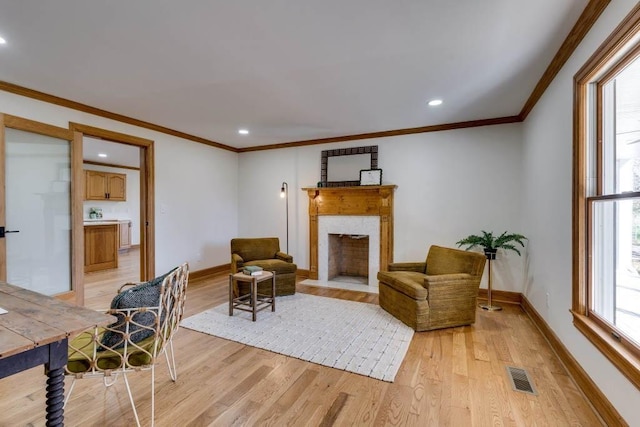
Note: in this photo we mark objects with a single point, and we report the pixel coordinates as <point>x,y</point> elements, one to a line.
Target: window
<point>606,288</point>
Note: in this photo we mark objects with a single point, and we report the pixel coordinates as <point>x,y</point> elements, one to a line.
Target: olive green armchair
<point>264,252</point>
<point>439,293</point>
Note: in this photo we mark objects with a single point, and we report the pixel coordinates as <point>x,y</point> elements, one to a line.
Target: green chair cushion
<point>80,359</point>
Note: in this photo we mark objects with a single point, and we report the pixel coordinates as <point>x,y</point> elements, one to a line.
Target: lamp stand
<point>284,192</point>
<point>489,306</point>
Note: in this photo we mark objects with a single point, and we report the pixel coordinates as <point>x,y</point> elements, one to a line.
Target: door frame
<point>76,293</point>
<point>147,195</point>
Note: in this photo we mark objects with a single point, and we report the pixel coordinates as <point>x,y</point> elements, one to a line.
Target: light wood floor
<point>452,377</point>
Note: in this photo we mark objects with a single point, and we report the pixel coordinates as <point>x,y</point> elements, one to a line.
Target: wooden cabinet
<point>105,186</point>
<point>100,247</point>
<point>124,230</point>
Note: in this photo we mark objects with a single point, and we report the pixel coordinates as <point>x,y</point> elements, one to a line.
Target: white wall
<point>196,190</point>
<point>129,209</point>
<point>450,184</point>
<point>547,214</point>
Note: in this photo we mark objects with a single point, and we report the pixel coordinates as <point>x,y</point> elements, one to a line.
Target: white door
<point>37,224</point>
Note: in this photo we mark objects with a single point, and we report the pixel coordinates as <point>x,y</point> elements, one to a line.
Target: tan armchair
<point>439,293</point>
<point>264,252</point>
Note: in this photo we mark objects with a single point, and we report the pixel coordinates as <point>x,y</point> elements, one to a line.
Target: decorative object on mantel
<point>371,177</point>
<point>491,244</point>
<point>344,171</point>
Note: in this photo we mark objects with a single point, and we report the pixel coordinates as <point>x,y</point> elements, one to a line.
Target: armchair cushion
<point>146,294</point>
<point>409,283</point>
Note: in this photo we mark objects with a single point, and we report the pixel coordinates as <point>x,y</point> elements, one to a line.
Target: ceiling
<point>286,70</point>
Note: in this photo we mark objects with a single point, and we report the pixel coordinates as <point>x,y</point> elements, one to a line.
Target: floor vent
<point>520,380</point>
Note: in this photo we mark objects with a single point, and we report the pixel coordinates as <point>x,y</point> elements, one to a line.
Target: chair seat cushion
<point>81,350</point>
<point>409,283</point>
<point>277,265</point>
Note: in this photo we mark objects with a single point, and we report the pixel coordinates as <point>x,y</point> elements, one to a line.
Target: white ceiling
<point>288,70</point>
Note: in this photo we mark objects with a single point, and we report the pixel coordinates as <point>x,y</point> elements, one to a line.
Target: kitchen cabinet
<point>100,246</point>
<point>105,186</point>
<point>124,230</point>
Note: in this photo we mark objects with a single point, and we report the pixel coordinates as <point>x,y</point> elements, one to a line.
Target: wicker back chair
<point>139,336</point>
<point>439,293</point>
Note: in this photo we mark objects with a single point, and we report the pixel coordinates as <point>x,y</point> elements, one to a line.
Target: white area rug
<point>352,336</point>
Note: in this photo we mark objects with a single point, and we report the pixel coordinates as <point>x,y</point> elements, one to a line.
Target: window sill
<point>622,358</point>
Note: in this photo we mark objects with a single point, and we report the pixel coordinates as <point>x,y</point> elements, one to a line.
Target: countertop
<point>89,222</point>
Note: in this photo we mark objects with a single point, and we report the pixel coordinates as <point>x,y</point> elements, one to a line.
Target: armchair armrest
<point>418,267</point>
<point>284,257</point>
<point>451,286</point>
<point>236,263</point>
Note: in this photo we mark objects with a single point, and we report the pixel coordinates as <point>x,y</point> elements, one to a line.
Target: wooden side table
<point>252,302</point>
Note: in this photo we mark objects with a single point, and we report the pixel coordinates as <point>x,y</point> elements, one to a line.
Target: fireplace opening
<point>349,258</point>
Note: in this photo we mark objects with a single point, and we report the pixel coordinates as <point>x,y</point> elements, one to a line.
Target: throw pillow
<point>146,294</point>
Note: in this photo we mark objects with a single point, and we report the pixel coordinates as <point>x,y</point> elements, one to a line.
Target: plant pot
<point>490,253</point>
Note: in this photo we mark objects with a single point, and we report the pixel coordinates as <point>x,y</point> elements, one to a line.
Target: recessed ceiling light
<point>2,41</point>
<point>243,131</point>
<point>435,102</point>
<point>102,155</point>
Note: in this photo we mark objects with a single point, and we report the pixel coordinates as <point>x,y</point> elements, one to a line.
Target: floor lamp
<point>284,193</point>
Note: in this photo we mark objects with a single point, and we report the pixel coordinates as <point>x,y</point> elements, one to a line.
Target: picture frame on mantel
<point>371,177</point>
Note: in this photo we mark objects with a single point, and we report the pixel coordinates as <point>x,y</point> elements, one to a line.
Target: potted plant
<point>491,244</point>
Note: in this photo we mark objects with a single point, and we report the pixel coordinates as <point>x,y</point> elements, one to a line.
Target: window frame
<point>615,53</point>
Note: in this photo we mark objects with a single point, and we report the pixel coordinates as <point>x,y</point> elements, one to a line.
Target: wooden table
<point>34,331</point>
<point>252,302</point>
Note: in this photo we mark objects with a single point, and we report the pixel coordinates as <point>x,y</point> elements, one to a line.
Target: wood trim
<point>27,125</point>
<point>601,404</point>
<point>589,16</point>
<point>3,198</point>
<point>506,297</point>
<point>622,34</point>
<point>110,135</point>
<point>147,213</point>
<point>111,165</point>
<point>52,99</point>
<point>208,272</point>
<point>579,265</point>
<point>625,360</point>
<point>77,223</point>
<point>302,273</point>
<point>388,133</point>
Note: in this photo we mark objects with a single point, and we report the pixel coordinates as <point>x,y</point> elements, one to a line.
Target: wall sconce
<point>284,193</point>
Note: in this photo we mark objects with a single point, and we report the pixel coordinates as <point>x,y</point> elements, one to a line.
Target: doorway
<point>131,158</point>
<point>39,196</point>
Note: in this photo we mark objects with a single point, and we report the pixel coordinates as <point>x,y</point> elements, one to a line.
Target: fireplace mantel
<point>361,200</point>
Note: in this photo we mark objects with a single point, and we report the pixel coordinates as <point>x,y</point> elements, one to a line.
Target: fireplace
<point>347,225</point>
<point>348,258</point>
<point>355,213</point>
